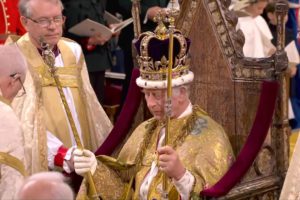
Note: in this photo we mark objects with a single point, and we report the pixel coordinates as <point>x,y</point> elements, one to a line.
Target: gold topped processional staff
<point>49,59</point>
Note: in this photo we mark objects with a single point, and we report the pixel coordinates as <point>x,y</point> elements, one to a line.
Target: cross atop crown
<point>161,30</point>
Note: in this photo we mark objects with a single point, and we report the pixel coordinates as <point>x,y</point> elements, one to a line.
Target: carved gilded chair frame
<point>212,20</point>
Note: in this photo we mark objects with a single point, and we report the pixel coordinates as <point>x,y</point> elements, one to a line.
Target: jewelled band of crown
<point>157,70</point>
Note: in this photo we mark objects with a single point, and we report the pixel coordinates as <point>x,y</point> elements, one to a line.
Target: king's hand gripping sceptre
<point>49,59</point>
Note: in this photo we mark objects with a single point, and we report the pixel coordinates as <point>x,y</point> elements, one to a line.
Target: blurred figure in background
<point>12,75</point>
<point>10,19</point>
<point>96,49</point>
<point>293,24</point>
<point>256,31</point>
<point>45,186</point>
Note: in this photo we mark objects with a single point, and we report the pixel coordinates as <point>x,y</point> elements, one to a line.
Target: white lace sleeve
<point>185,185</point>
<point>53,144</point>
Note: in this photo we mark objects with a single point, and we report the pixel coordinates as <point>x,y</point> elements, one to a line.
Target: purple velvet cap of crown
<point>158,48</point>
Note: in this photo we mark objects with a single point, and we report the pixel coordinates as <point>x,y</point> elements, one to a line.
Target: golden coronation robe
<point>11,144</point>
<point>41,109</point>
<point>201,143</point>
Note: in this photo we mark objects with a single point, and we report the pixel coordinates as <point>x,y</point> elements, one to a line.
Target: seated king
<point>197,152</point>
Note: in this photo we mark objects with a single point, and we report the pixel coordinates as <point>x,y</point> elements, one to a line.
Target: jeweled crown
<point>152,48</point>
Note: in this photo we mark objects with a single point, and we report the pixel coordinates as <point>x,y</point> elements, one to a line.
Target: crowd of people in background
<point>258,22</point>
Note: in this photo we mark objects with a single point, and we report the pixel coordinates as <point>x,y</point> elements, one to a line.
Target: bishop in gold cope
<point>198,152</point>
<point>12,158</point>
<point>49,140</point>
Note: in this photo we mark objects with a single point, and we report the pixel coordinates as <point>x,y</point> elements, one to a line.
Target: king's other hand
<point>169,162</point>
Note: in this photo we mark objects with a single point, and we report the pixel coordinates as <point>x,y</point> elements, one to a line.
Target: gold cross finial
<point>161,30</point>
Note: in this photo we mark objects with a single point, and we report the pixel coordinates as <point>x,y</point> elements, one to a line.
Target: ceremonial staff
<point>135,12</point>
<point>49,58</point>
<point>171,21</point>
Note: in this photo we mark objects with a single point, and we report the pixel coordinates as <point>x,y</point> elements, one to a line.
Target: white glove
<point>84,161</point>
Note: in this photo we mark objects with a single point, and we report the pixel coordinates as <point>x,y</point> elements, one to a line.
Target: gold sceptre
<point>49,58</point>
<point>135,12</point>
<point>171,21</point>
